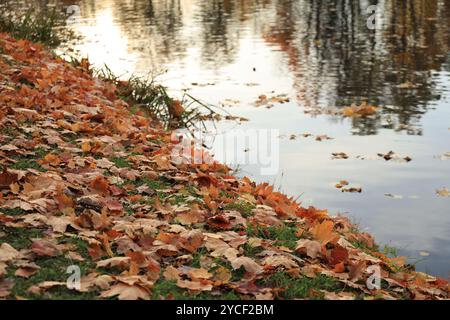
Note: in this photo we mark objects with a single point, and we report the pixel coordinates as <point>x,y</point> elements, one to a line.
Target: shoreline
<point>87,183</point>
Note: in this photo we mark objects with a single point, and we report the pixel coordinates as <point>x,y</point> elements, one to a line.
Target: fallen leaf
<point>443,192</point>
<point>6,286</point>
<point>44,248</point>
<point>199,273</point>
<point>324,232</point>
<point>122,262</point>
<point>126,292</point>
<point>194,285</point>
<point>8,253</point>
<point>7,178</point>
<point>249,265</point>
<point>310,247</point>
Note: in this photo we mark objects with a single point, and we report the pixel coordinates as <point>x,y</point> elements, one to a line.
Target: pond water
<point>323,55</point>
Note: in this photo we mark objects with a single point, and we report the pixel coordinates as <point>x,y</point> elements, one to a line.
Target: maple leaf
<point>310,247</point>
<point>363,110</point>
<point>64,201</point>
<point>44,248</point>
<point>324,232</point>
<point>8,253</point>
<point>126,292</point>
<point>6,286</point>
<point>59,224</point>
<point>356,270</point>
<point>280,261</point>
<point>114,262</point>
<point>312,213</point>
<point>337,255</point>
<point>222,275</point>
<point>199,273</point>
<point>101,185</point>
<point>114,205</point>
<point>194,285</point>
<point>26,270</point>
<point>171,273</point>
<point>51,159</point>
<point>220,222</point>
<point>7,178</point>
<point>249,265</point>
<point>3,267</point>
<point>191,240</point>
<point>191,217</point>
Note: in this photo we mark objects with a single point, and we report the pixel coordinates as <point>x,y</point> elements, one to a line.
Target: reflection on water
<point>322,54</point>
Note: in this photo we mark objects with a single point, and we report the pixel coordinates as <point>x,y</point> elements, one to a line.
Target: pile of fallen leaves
<point>87,184</point>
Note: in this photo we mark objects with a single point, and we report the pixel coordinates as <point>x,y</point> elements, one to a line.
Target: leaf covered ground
<point>85,182</point>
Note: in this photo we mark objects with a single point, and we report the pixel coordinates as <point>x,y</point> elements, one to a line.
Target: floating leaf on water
<point>340,155</point>
<point>443,192</point>
<point>362,110</point>
<point>393,196</point>
<point>341,184</point>
<point>391,155</point>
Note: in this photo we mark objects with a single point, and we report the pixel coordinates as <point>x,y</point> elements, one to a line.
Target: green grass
<point>281,235</point>
<point>52,269</point>
<point>301,287</point>
<point>252,251</point>
<point>242,207</point>
<point>12,212</point>
<point>19,238</point>
<point>24,164</point>
<point>121,162</point>
<point>34,26</point>
<point>390,251</point>
<point>146,95</point>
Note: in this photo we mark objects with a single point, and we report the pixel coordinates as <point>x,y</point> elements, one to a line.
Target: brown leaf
<point>2,269</point>
<point>356,270</point>
<point>220,222</point>
<point>194,285</point>
<point>310,247</point>
<point>280,261</point>
<point>6,286</point>
<point>127,292</point>
<point>199,273</point>
<point>7,178</point>
<point>191,217</point>
<point>27,270</point>
<point>122,262</point>
<point>249,265</point>
<point>223,275</point>
<point>191,241</point>
<point>44,248</point>
<point>171,273</point>
<point>101,185</point>
<point>337,255</point>
<point>114,205</point>
<point>8,253</point>
<point>59,224</point>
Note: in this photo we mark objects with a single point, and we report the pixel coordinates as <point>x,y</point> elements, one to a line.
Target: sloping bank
<point>88,186</point>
